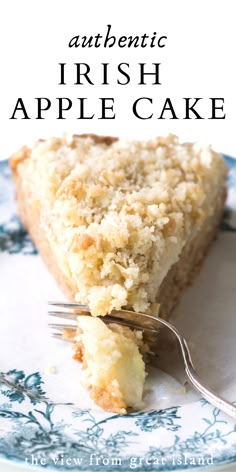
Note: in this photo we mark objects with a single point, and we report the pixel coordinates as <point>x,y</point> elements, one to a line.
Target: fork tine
<point>129,323</point>
<point>60,337</point>
<point>69,305</point>
<point>60,314</point>
<point>62,326</point>
<point>106,319</point>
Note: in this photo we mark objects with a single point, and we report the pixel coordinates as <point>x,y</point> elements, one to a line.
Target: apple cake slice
<point>120,224</point>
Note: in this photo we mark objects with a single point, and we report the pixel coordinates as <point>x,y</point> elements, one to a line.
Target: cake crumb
<point>51,370</point>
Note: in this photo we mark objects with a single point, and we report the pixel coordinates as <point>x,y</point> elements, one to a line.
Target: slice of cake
<point>120,224</point>
<point>113,367</point>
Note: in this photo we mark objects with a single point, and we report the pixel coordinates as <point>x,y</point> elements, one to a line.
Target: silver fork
<point>161,336</point>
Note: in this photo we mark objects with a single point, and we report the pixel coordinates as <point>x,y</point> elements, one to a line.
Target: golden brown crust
<point>106,400</point>
<point>18,157</point>
<point>78,353</point>
<point>98,139</point>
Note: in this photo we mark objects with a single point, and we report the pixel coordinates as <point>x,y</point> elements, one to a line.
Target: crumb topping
<point>118,214</point>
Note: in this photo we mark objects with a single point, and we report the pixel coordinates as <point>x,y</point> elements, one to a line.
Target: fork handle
<point>206,392</point>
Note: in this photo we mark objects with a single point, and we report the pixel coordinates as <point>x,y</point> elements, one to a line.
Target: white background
<point>198,61</point>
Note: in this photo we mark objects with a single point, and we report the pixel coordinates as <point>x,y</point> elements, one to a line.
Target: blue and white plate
<point>47,419</point>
